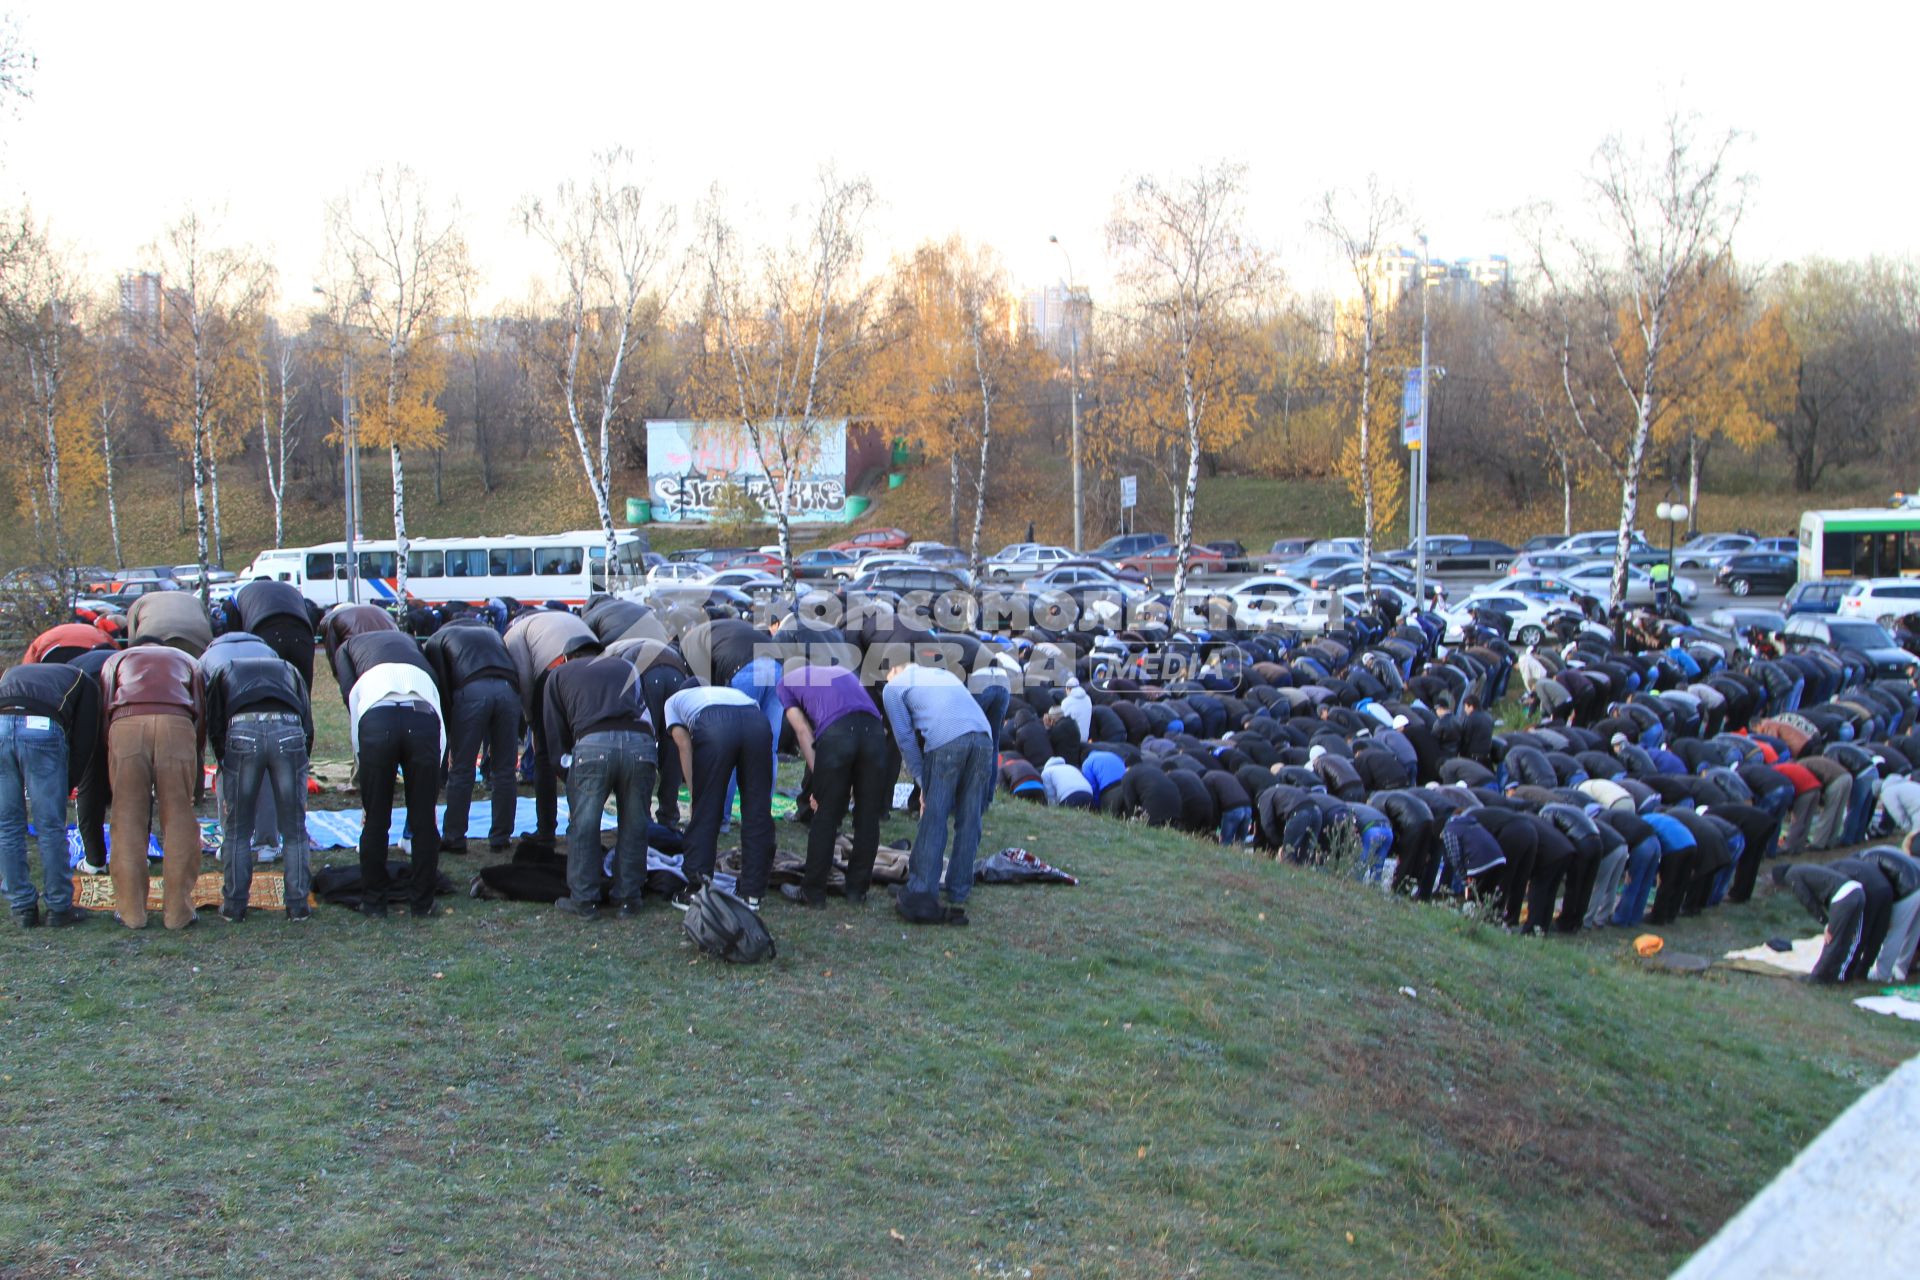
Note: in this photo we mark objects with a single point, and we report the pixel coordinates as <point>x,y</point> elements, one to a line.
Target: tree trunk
<point>482,443</point>
<point>399,522</point>
<point>113,508</point>
<point>1366,442</point>
<point>213,487</point>
<point>1695,457</point>
<point>439,459</point>
<point>953,496</point>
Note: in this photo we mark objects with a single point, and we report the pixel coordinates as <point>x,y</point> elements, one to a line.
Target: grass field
<point>1194,1063</point>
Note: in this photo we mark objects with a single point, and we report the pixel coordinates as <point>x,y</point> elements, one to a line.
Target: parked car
<point>1122,545</point>
<point>1307,566</point>
<point>879,560</point>
<point>1822,595</point>
<point>1765,571</point>
<point>1785,546</point>
<point>1352,546</point>
<point>1529,617</point>
<point>1233,556</point>
<point>874,540</point>
<point>1348,575</point>
<point>1884,600</point>
<point>676,571</point>
<point>1599,542</point>
<point>751,581</point>
<point>1308,613</point>
<point>1108,567</point>
<point>1023,560</point>
<point>1080,575</point>
<point>754,560</point>
<point>1542,542</point>
<point>1741,622</point>
<point>821,563</point>
<point>910,577</point>
<point>1288,548</point>
<point>937,554</point>
<point>1869,639</point>
<point>1595,578</point>
<point>188,575</point>
<point>1544,562</point>
<point>1164,561</point>
<point>1544,586</point>
<point>131,591</point>
<point>1255,601</point>
<point>1470,555</point>
<point>1711,550</point>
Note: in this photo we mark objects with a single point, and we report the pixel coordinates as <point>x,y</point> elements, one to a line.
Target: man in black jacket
<point>1903,919</point>
<point>481,694</point>
<point>1838,901</point>
<point>1144,791</point>
<point>260,726</point>
<point>49,733</point>
<point>278,614</point>
<point>601,738</point>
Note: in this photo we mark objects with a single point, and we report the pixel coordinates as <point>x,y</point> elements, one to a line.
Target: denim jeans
<point>993,701</point>
<point>33,780</point>
<point>955,773</point>
<point>1236,825</point>
<point>1866,792</point>
<point>267,748</point>
<point>617,764</point>
<point>759,680</point>
<point>485,712</point>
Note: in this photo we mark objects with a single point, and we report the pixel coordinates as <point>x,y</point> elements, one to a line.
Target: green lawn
<point>1194,1063</point>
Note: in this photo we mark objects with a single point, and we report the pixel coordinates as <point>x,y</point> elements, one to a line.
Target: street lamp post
<point>1675,514</point>
<point>1426,394</point>
<point>349,451</point>
<point>1073,400</point>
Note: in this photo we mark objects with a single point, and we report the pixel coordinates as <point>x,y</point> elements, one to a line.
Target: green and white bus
<point>1870,542</point>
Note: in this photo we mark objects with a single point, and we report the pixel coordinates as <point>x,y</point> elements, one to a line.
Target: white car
<point>1595,578</point>
<point>1527,614</point>
<point>1599,542</point>
<point>1881,600</point>
<point>1022,560</point>
<point>1307,613</point>
<point>1081,576</point>
<point>881,560</point>
<point>1546,586</point>
<point>747,580</point>
<point>1711,550</point>
<point>677,571</point>
<point>1257,599</point>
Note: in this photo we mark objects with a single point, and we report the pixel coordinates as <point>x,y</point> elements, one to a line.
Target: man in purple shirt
<point>845,747</point>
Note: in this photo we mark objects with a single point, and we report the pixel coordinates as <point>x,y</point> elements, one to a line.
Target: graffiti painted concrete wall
<point>689,465</point>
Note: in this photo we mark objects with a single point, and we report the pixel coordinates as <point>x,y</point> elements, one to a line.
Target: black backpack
<point>724,926</point>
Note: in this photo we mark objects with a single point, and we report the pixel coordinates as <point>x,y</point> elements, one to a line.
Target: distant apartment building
<point>1055,316</point>
<point>142,300</point>
<point>1396,273</point>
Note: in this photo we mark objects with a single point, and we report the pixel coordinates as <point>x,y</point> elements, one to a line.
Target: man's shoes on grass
<point>28,919</point>
<point>798,894</point>
<point>297,912</point>
<point>918,908</point>
<point>454,847</point>
<point>91,868</point>
<point>233,913</point>
<point>626,908</point>
<point>374,908</point>
<point>424,911</point>
<point>578,910</point>
<point>68,918</point>
<point>957,916</point>
<point>682,898</point>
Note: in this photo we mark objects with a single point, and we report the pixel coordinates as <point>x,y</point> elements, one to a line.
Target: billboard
<point>690,464</point>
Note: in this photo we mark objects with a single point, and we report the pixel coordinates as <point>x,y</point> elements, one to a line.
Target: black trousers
<point>1676,877</point>
<point>292,639</point>
<point>658,684</point>
<point>849,763</point>
<point>485,712</point>
<point>729,741</point>
<point>92,798</point>
<point>403,736</point>
<point>1581,873</point>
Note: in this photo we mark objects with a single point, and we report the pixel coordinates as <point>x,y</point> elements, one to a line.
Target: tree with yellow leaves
<point>1192,279</point>
<point>401,265</point>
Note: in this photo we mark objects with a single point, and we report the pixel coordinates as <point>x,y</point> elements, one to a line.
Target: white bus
<point>1872,542</point>
<point>557,566</point>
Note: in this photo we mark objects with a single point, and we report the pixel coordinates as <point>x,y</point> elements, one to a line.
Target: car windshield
<point>1860,635</point>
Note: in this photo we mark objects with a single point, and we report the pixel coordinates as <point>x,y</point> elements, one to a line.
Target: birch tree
<point>610,244</point>
<point>1361,229</point>
<point>193,355</point>
<point>784,325</point>
<point>405,264</point>
<point>276,399</point>
<point>1614,305</point>
<point>40,302</point>
<point>1191,278</point>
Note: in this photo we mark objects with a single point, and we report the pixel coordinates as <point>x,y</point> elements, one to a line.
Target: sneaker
<point>28,919</point>
<point>857,899</point>
<point>795,893</point>
<point>753,904</point>
<point>957,916</point>
<point>626,908</point>
<point>232,914</point>
<point>68,918</point>
<point>298,912</point>
<point>918,912</point>
<point>578,910</point>
<point>497,846</point>
<point>453,846</point>
<point>91,868</point>
<point>682,898</point>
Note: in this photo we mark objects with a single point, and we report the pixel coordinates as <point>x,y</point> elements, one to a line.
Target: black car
<point>1459,555</point>
<point>1235,556</point>
<point>1383,575</point>
<point>1768,572</point>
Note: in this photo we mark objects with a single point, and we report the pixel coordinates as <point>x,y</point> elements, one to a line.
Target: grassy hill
<point>1195,1063</point>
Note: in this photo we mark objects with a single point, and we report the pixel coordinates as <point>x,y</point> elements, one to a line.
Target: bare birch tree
<point>1192,278</point>
<point>40,301</point>
<point>611,246</point>
<point>1362,228</point>
<point>1614,306</point>
<point>786,326</point>
<point>277,399</point>
<point>405,264</point>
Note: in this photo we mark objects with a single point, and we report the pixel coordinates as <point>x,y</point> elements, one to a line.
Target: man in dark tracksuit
<point>277,613</point>
<point>49,733</point>
<point>480,691</point>
<point>719,730</point>
<point>663,673</point>
<point>1480,860</point>
<point>842,739</point>
<point>1583,870</point>
<point>1841,903</point>
<point>260,726</point>
<point>601,739</point>
<point>1890,964</point>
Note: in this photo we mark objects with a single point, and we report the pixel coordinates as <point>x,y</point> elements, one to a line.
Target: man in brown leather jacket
<point>156,737</point>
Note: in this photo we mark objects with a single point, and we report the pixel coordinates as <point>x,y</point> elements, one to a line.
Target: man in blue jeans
<point>260,726</point>
<point>49,732</point>
<point>945,744</point>
<point>601,737</point>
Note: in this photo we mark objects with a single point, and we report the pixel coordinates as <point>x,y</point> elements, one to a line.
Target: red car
<point>754,560</point>
<point>874,540</point>
<point>1163,560</point>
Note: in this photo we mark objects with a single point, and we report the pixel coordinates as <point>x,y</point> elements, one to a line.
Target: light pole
<point>1675,514</point>
<point>349,449</point>
<point>1073,401</point>
<point>1420,459</point>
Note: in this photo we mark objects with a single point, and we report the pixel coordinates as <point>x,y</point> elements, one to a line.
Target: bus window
<point>556,561</point>
<point>1910,551</point>
<point>466,564</point>
<point>425,564</point>
<point>319,566</point>
<point>378,564</point>
<point>510,562</point>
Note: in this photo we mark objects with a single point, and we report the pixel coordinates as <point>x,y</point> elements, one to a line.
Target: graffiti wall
<point>690,464</point>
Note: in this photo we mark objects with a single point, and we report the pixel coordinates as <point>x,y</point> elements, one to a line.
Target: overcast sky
<point>1002,122</point>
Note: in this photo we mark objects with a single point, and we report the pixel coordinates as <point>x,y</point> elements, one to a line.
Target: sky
<point>1003,123</point>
